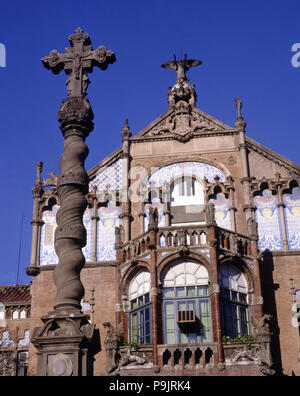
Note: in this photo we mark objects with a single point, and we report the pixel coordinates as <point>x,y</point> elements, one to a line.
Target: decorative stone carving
<point>112,342</point>
<point>119,236</point>
<point>78,61</point>
<point>153,218</point>
<point>210,214</point>
<point>252,229</point>
<point>67,327</point>
<point>262,327</point>
<point>182,123</point>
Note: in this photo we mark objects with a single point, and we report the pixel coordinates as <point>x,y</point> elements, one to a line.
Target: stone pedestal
<point>66,345</point>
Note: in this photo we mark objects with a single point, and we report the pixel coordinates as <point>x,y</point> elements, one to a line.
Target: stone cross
<point>181,66</point>
<point>77,61</point>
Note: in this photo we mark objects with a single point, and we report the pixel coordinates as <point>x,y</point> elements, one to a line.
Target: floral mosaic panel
<point>47,251</point>
<point>6,341</point>
<point>269,224</point>
<point>197,169</point>
<point>88,223</point>
<point>48,255</point>
<point>222,213</point>
<point>108,220</point>
<point>292,217</point>
<point>109,177</point>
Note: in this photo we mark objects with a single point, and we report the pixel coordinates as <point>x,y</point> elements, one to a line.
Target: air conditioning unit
<point>187,316</point>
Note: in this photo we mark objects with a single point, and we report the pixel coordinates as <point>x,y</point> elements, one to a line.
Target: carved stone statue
<point>181,67</point>
<point>119,236</point>
<point>252,229</point>
<point>262,326</point>
<point>153,218</point>
<point>210,214</point>
<point>112,342</point>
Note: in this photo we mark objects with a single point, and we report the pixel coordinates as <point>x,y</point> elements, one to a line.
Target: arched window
<point>187,200</point>
<point>234,301</point>
<point>15,314</point>
<point>140,308</point>
<point>186,304</point>
<point>186,190</point>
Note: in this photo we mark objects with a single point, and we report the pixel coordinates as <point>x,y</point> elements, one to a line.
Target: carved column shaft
<point>36,223</point>
<point>70,235</point>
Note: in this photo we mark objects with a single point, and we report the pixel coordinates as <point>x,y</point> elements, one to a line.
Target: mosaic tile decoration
<point>269,224</point>
<point>292,217</point>
<point>47,252</point>
<point>161,217</point>
<point>48,255</point>
<point>26,340</point>
<point>222,213</point>
<point>197,169</point>
<point>108,220</point>
<point>6,342</point>
<point>111,176</point>
<point>88,223</point>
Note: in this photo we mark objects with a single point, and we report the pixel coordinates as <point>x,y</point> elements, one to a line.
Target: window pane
<point>243,298</point>
<point>134,304</point>
<point>168,292</point>
<point>244,322</point>
<point>134,323</point>
<point>234,296</point>
<point>202,291</point>
<point>191,291</point>
<point>169,308</point>
<point>147,298</point>
<point>180,292</point>
<point>141,301</point>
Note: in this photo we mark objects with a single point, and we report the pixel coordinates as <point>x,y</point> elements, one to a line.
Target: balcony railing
<point>193,356</point>
<point>186,237</point>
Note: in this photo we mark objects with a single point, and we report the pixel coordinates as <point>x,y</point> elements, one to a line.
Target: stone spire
<point>126,132</point>
<point>182,90</point>
<point>240,122</point>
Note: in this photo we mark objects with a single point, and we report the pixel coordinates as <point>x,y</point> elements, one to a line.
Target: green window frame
<point>234,313</point>
<point>187,298</point>
<point>140,320</point>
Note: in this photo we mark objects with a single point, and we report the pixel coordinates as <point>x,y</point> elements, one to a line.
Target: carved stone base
<point>66,345</point>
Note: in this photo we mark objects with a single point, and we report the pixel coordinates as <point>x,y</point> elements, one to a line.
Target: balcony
<point>185,238</point>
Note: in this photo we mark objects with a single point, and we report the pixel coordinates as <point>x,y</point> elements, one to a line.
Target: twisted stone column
<point>75,116</point>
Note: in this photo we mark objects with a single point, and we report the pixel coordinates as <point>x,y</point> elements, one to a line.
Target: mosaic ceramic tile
<point>292,217</point>
<point>109,176</point>
<point>47,252</point>
<point>108,220</point>
<point>197,169</point>
<point>269,224</point>
<point>222,213</point>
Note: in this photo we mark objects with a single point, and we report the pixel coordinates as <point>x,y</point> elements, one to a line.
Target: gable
<point>182,123</point>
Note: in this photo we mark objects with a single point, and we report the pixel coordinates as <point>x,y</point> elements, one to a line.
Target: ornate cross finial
<point>181,67</point>
<point>78,61</point>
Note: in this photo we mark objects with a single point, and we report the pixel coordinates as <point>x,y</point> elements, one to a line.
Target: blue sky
<point>246,52</point>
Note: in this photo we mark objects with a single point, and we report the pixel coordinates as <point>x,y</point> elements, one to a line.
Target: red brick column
<point>118,305</point>
<point>154,296</point>
<point>257,303</point>
<point>215,290</point>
